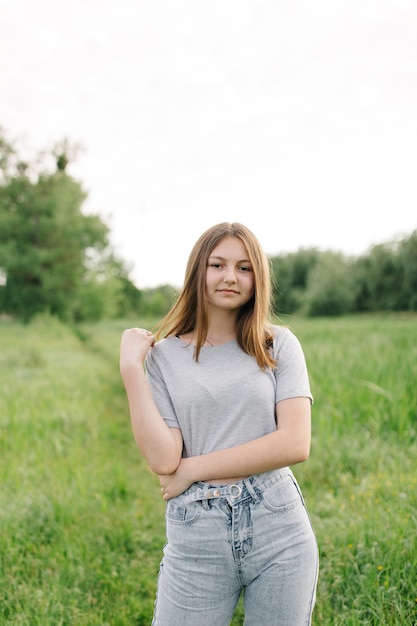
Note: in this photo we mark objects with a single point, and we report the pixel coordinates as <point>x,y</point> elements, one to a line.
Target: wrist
<point>189,469</point>
<point>131,372</point>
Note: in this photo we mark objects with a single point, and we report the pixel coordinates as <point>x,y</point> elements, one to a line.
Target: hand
<point>134,347</point>
<point>173,485</point>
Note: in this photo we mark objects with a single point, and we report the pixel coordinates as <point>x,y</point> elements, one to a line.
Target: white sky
<point>298,118</point>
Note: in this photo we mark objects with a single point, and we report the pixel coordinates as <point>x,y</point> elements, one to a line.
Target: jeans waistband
<point>234,492</point>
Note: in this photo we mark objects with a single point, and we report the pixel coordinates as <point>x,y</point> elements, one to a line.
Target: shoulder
<point>284,340</point>
<point>282,333</point>
<point>165,343</point>
<point>163,349</point>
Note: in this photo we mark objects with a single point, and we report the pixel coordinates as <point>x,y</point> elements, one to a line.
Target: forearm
<point>156,441</point>
<point>278,449</point>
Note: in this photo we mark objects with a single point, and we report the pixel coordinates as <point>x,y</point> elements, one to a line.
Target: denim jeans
<point>254,536</point>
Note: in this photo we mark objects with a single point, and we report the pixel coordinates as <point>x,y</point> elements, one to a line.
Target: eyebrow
<point>221,258</point>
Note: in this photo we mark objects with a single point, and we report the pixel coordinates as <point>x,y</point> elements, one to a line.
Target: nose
<point>230,275</point>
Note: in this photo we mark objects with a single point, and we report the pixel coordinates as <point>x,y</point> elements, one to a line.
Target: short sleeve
<point>159,390</point>
<point>291,374</point>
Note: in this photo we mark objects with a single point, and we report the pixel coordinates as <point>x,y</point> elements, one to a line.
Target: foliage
<point>387,277</point>
<point>291,272</point>
<point>55,258</point>
<point>380,277</point>
<point>408,258</point>
<point>156,302</point>
<point>81,517</point>
<point>330,288</point>
<point>325,283</point>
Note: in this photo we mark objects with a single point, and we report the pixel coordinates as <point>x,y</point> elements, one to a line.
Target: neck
<point>221,330</point>
<point>218,339</point>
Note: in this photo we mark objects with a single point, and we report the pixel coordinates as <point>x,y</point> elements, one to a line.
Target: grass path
<point>81,518</point>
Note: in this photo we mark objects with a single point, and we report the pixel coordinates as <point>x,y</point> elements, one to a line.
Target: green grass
<point>81,517</point>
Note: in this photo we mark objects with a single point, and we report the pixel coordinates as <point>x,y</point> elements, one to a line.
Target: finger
<point>146,332</point>
<point>151,336</point>
<point>142,333</point>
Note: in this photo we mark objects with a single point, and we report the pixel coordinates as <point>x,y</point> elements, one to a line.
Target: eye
<point>245,268</point>
<point>217,265</point>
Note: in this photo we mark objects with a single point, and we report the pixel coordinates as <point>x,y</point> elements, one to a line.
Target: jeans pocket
<point>281,496</point>
<point>179,513</point>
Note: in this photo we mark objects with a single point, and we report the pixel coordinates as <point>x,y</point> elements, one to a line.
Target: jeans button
<point>236,490</point>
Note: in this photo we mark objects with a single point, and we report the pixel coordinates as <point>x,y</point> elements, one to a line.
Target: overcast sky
<point>297,118</point>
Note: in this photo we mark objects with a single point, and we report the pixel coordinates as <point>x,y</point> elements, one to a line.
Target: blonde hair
<point>190,312</point>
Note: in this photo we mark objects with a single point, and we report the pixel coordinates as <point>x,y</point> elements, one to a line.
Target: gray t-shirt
<point>224,399</point>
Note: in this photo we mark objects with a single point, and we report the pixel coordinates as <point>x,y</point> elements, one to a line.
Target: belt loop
<point>206,504</point>
<point>251,489</point>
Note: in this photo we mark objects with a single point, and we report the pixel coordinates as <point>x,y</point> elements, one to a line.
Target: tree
<point>379,278</point>
<point>407,254</point>
<point>290,273</point>
<point>46,241</point>
<point>331,286</point>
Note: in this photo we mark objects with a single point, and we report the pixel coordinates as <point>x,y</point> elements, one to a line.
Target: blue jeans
<point>254,536</point>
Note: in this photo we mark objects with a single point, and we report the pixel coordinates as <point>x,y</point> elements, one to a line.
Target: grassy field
<point>81,518</point>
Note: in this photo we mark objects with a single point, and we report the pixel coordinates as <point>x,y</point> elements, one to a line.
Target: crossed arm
<point>162,446</point>
<point>288,445</point>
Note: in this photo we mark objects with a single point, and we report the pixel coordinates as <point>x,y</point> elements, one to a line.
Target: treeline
<point>53,257</point>
<point>317,283</point>
<point>56,259</point>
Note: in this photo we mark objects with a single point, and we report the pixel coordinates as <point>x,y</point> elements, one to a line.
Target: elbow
<point>303,455</point>
<point>160,464</point>
<point>301,452</point>
<point>163,468</point>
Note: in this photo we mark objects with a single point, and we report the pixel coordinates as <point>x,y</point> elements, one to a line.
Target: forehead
<point>231,247</point>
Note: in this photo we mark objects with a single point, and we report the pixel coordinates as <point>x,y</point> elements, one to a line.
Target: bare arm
<point>288,445</point>
<point>160,445</point>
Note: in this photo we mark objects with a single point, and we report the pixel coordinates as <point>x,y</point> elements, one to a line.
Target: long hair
<point>190,312</point>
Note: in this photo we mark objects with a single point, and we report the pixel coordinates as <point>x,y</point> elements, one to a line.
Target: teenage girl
<point>220,406</point>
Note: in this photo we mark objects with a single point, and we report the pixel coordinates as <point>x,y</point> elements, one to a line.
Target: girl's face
<point>230,282</point>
